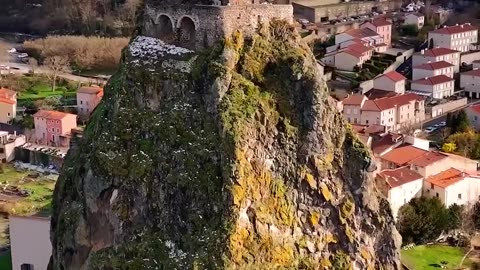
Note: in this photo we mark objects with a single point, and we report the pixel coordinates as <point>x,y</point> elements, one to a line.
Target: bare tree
<point>57,65</point>
<point>33,63</point>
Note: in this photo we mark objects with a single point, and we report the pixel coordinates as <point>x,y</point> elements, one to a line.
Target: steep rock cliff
<point>232,158</point>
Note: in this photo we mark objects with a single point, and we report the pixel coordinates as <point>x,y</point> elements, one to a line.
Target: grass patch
<point>6,261</point>
<point>428,257</point>
<point>41,190</point>
<point>42,91</point>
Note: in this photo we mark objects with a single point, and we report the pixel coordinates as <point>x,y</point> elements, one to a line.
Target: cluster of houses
<point>356,46</point>
<point>407,168</point>
<point>51,128</point>
<point>386,105</point>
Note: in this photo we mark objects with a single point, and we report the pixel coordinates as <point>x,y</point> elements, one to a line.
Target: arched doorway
<point>186,33</point>
<point>165,29</point>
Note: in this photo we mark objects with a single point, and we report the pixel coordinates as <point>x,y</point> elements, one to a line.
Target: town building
<point>416,19</point>
<point>457,37</point>
<point>430,69</point>
<point>349,57</point>
<point>399,186</point>
<point>390,81</point>
<point>54,127</point>
<point>470,83</point>
<point>364,35</point>
<point>87,99</point>
<point>437,87</point>
<point>381,26</point>
<point>437,55</point>
<point>8,105</point>
<point>391,112</point>
<point>30,242</point>
<point>8,142</point>
<point>453,186</point>
<point>423,161</point>
<point>473,115</point>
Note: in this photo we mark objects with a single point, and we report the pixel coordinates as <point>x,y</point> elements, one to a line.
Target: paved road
<point>443,117</point>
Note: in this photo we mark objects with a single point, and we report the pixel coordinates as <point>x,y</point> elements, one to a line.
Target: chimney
<point>15,133</point>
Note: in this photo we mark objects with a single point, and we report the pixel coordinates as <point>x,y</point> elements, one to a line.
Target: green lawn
<point>426,257</point>
<point>6,261</point>
<point>41,191</point>
<point>41,91</point>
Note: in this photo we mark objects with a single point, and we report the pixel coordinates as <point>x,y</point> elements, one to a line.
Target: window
<point>437,195</point>
<point>475,118</point>
<point>431,186</point>
<point>8,114</point>
<point>459,195</point>
<point>26,266</point>
<point>81,102</point>
<point>348,111</point>
<point>81,109</point>
<point>87,102</point>
<point>366,121</point>
<point>2,150</point>
<point>58,130</point>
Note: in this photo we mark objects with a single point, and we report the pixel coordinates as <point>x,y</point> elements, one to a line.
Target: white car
<point>22,55</point>
<point>442,124</point>
<point>12,50</point>
<point>430,129</point>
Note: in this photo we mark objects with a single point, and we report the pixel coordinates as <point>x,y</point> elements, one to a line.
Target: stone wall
<point>210,23</point>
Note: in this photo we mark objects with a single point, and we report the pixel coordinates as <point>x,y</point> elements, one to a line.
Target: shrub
<point>85,53</point>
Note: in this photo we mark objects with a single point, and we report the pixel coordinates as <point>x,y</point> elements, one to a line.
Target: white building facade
<point>30,242</point>
<point>457,37</point>
<point>470,83</point>
<point>437,55</point>
<point>437,87</point>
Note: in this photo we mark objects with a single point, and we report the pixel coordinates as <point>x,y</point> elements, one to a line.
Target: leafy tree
<point>455,212</point>
<point>410,30</point>
<point>52,102</point>
<point>476,215</point>
<point>449,147</point>
<point>423,220</point>
<point>462,124</point>
<point>464,141</point>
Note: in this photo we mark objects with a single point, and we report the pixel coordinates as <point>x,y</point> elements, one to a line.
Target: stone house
<point>437,55</point>
<point>437,87</point>
<point>399,186</point>
<point>457,37</point>
<point>453,186</point>
<point>430,69</point>
<point>8,105</point>
<point>54,127</point>
<point>381,26</point>
<point>365,35</point>
<point>87,99</point>
<point>390,81</point>
<point>30,242</point>
<point>349,57</point>
<point>470,83</point>
<point>352,108</point>
<point>416,19</point>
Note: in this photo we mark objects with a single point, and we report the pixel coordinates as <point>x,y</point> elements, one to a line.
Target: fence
<point>440,109</point>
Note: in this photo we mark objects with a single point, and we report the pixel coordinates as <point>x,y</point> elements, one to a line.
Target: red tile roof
<point>400,176</point>
<point>439,52</point>
<point>353,53</point>
<point>434,80</point>
<point>428,159</point>
<point>389,102</point>
<point>7,93</point>
<point>379,22</point>
<point>7,101</point>
<point>378,93</point>
<point>372,129</point>
<point>394,76</point>
<point>385,142</point>
<point>475,108</point>
<point>361,33</point>
<point>90,90</point>
<point>354,100</point>
<point>434,65</point>
<point>403,154</point>
<point>449,30</point>
<point>446,178</point>
<point>52,114</point>
<point>475,72</point>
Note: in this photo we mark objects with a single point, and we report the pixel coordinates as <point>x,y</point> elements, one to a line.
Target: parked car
<point>442,124</point>
<point>430,129</point>
<point>22,55</point>
<point>12,50</point>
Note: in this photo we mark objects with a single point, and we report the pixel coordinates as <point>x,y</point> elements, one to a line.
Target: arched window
<point>187,33</point>
<point>165,29</point>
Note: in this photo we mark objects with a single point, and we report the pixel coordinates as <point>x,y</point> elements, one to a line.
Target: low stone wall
<point>440,109</point>
<point>37,158</point>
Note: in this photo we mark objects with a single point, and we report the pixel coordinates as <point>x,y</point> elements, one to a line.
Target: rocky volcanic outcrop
<point>231,158</point>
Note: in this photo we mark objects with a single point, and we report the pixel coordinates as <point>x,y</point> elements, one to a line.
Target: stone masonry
<point>200,26</point>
